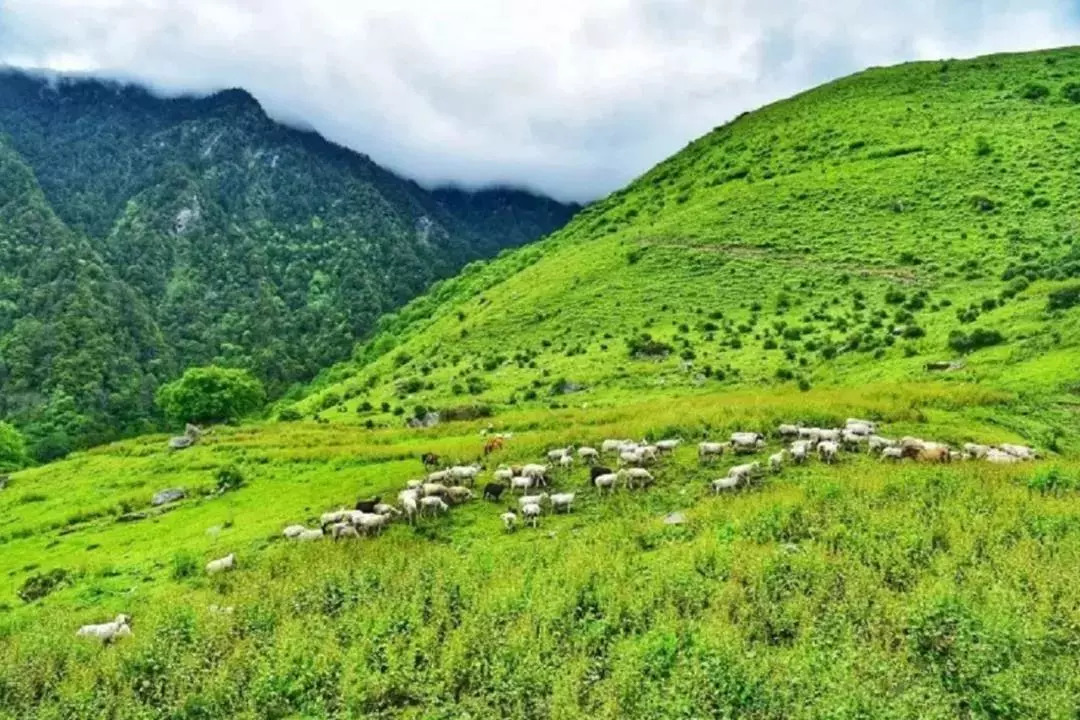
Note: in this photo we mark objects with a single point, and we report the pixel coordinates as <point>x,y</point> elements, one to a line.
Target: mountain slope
<point>842,236</point>
<point>236,240</point>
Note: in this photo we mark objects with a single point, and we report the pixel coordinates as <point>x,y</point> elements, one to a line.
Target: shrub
<point>645,346</point>
<point>39,585</point>
<point>1053,481</point>
<point>979,338</point>
<point>982,146</point>
<point>184,565</point>
<point>12,449</point>
<point>1071,92</point>
<point>1064,298</point>
<point>1034,91</point>
<point>912,332</point>
<point>468,412</point>
<point>228,478</point>
<point>211,394</point>
<point>290,414</point>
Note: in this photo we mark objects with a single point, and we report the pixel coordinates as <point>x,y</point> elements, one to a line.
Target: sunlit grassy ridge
<point>804,263</point>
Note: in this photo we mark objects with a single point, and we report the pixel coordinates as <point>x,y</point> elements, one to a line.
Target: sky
<point>573,98</point>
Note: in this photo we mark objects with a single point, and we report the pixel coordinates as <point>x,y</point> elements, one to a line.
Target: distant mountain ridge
<point>199,230</point>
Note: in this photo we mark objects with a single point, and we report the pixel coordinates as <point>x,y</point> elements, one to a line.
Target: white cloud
<point>572,97</point>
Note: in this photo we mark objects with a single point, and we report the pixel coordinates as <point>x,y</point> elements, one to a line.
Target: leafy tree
<point>211,394</point>
<point>12,448</point>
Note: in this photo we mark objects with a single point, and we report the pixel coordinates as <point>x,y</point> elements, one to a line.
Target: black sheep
<point>368,506</point>
<point>493,491</point>
<point>595,472</point>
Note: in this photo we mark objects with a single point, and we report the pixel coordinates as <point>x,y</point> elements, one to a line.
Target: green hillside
<point>195,231</point>
<point>897,245</point>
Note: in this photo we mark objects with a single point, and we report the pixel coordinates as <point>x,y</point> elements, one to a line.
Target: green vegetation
<point>211,395</point>
<point>825,257</point>
<point>12,448</point>
<point>141,236</point>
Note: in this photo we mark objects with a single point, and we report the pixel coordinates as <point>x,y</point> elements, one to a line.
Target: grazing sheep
<point>999,457</point>
<point>531,513</point>
<point>800,451</point>
<point>107,632</point>
<point>1018,451</point>
<point>829,451</point>
<point>493,491</point>
<point>746,443</point>
<point>293,530</point>
<point>876,443</point>
<point>611,446</point>
<point>368,506</point>
<point>588,454</point>
<point>509,519</point>
<point>463,473</point>
<point>710,450</point>
<point>976,451</point>
<point>788,432</point>
<point>503,475</point>
<point>562,501</point>
<point>459,494</point>
<point>433,489</point>
<point>955,456</point>
<point>384,509</point>
<point>860,427</point>
<point>666,446</point>
<point>343,530</point>
<point>522,483</point>
<point>776,462</point>
<point>439,476</point>
<point>745,473</point>
<point>936,454</point>
<point>329,518</point>
<point>414,485</point>
<point>432,505</point>
<point>374,523</point>
<point>607,480</point>
<point>725,483</point>
<point>649,453</point>
<point>598,470</point>
<point>566,462</point>
<point>631,457</point>
<point>221,565</point>
<point>811,435</point>
<point>637,477</point>
<point>410,503</point>
<point>910,447</point>
<point>532,499</point>
<point>828,435</point>
<point>851,441</point>
<point>556,454</point>
<point>536,472</point>
<point>893,452</point>
<point>310,535</point>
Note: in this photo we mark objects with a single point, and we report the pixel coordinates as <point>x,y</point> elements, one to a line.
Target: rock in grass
<point>675,518</point>
<point>180,442</point>
<point>164,497</point>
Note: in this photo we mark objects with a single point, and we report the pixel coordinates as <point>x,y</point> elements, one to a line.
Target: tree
<point>211,394</point>
<point>12,448</point>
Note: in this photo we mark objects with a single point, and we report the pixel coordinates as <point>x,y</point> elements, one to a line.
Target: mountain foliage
<point>140,236</point>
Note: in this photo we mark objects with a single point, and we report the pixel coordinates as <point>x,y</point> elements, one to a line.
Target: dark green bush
<point>38,586</point>
<point>228,478</point>
<point>211,394</point>
<point>978,338</point>
<point>1064,298</point>
<point>1034,91</point>
<point>1071,92</point>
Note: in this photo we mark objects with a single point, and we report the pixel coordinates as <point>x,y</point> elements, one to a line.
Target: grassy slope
<point>860,590</point>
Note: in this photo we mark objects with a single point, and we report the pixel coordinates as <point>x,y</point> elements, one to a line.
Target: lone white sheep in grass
<point>509,519</point>
<point>531,513</point>
<point>562,502</point>
<point>608,481</point>
<point>107,632</point>
<point>221,564</point>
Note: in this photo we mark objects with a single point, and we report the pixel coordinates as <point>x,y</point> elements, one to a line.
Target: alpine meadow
<point>882,272</point>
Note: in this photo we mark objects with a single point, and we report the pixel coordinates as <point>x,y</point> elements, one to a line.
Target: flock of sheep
<point>441,489</point>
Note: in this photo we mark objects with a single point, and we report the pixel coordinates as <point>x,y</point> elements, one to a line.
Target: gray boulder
<point>675,518</point>
<point>164,497</point>
<point>180,442</point>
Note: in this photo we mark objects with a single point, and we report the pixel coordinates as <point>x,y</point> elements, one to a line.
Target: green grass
<point>768,250</point>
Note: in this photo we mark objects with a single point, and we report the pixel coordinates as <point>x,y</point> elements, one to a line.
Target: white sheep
<point>556,454</point>
<point>532,499</point>
<point>432,505</point>
<point>414,485</point>
<point>1018,451</point>
<point>521,483</point>
<point>384,509</point>
<point>459,494</point>
<point>439,476</point>
<point>800,451</point>
<point>410,503</point>
<point>893,452</point>
<point>462,473</point>
<point>537,473</point>
<point>829,451</point>
<point>310,535</point>
<point>669,445</point>
<point>562,501</point>
<point>107,632</point>
<point>631,457</point>
<point>876,443</point>
<point>566,462</point>
<point>788,431</point>
<point>776,462</point>
<point>710,450</point>
<point>329,518</point>
<point>612,446</point>
<point>829,435</point>
<point>745,473</point>
<point>606,481</point>
<point>370,523</point>
<point>746,442</point>
<point>221,565</point>
<point>851,441</point>
<point>637,477</point>
<point>509,519</point>
<point>999,457</point>
<point>293,530</point>
<point>531,513</point>
<point>503,475</point>
<point>343,530</point>
<point>976,451</point>
<point>725,483</point>
<point>588,454</point>
<point>433,489</point>
<point>860,427</point>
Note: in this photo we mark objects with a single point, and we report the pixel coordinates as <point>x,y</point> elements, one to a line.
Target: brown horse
<point>495,443</point>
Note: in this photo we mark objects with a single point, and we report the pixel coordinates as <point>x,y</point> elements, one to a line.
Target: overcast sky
<point>570,97</point>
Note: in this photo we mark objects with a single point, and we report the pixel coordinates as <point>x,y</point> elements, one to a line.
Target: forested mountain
<point>143,235</point>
